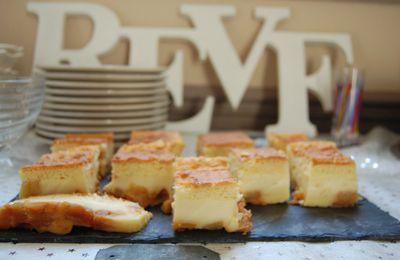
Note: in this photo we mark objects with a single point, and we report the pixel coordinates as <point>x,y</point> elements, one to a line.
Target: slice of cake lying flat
<point>262,173</point>
<point>69,171</point>
<point>172,141</point>
<point>280,141</point>
<point>143,176</point>
<point>323,176</point>
<point>104,140</point>
<point>207,197</point>
<point>221,143</point>
<point>59,213</point>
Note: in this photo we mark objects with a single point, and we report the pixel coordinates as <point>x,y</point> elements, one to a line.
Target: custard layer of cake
<point>221,143</point>
<point>172,141</point>
<point>59,213</point>
<point>104,140</point>
<point>280,141</point>
<point>207,197</point>
<point>141,175</point>
<point>262,173</point>
<point>69,171</point>
<point>324,177</point>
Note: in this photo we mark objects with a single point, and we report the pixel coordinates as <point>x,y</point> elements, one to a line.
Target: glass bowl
<point>9,55</point>
<point>21,100</point>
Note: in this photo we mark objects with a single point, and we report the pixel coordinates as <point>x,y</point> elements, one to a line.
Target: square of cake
<point>262,173</point>
<point>69,171</point>
<point>206,196</point>
<point>323,176</point>
<point>280,141</point>
<point>143,176</point>
<point>104,140</point>
<point>294,172</point>
<point>221,143</point>
<point>172,141</point>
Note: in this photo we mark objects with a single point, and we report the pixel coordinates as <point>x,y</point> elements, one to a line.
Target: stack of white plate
<point>102,99</point>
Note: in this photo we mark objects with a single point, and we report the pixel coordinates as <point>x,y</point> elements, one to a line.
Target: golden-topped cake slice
<point>207,197</point>
<point>104,140</point>
<point>171,141</point>
<point>221,143</point>
<point>59,213</point>
<point>262,173</point>
<point>142,175</point>
<point>69,171</point>
<point>323,176</point>
<point>291,149</point>
<point>280,141</point>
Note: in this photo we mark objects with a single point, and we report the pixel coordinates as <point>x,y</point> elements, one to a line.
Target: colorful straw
<point>347,104</point>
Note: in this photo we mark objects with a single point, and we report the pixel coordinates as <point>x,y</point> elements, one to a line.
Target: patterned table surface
<point>379,182</point>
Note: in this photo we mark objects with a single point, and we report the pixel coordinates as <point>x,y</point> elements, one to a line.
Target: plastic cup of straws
<point>347,106</point>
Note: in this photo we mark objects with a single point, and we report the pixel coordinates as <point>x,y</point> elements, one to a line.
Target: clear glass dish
<point>21,100</point>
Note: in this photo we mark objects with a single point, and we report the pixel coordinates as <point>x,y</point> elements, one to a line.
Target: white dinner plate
<point>102,69</point>
<point>105,100</point>
<point>104,92</point>
<point>56,135</point>
<point>104,85</point>
<point>102,122</point>
<point>107,107</point>
<point>44,139</point>
<point>95,114</point>
<point>107,77</point>
<point>79,129</point>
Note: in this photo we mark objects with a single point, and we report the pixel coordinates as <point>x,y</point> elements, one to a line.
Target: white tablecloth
<point>379,182</point>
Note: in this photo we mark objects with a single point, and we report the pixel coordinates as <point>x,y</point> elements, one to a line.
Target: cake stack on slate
<point>115,99</point>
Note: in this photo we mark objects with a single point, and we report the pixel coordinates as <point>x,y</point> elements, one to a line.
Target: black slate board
<point>270,223</point>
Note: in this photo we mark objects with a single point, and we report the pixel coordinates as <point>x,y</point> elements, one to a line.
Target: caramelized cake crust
<point>259,154</point>
<point>109,136</point>
<point>280,141</point>
<point>201,162</point>
<point>171,141</point>
<point>103,140</point>
<point>220,143</point>
<point>71,158</point>
<point>203,177</point>
<point>225,139</point>
<point>320,152</point>
<point>127,156</point>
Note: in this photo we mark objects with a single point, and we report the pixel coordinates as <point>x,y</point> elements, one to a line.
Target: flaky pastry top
<point>225,139</point>
<point>288,138</point>
<point>320,152</point>
<point>264,153</point>
<point>195,163</point>
<point>204,177</point>
<point>73,157</point>
<point>153,136</point>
